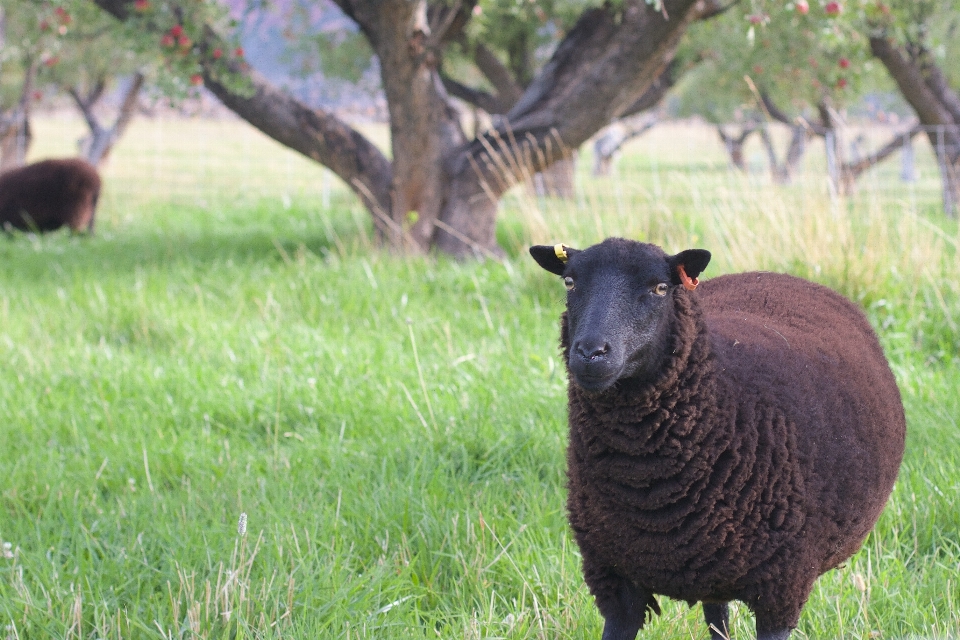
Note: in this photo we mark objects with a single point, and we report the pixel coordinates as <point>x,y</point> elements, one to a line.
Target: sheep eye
<point>661,289</point>
<point>568,283</point>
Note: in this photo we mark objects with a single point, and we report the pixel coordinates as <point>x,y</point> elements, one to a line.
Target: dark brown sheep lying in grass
<point>47,195</point>
<point>729,443</point>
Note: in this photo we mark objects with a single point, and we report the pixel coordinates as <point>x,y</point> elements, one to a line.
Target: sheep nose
<point>592,350</point>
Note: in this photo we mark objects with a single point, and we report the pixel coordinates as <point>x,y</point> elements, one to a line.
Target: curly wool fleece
<point>759,457</point>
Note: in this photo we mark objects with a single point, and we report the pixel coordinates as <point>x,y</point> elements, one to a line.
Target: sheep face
<point>619,306</point>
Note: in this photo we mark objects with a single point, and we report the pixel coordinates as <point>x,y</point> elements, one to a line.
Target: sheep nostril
<point>593,351</point>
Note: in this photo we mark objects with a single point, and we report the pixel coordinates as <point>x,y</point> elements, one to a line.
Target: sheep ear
<point>553,258</point>
<point>692,261</point>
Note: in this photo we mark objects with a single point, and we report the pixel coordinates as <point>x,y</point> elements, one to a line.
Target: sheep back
<point>47,195</point>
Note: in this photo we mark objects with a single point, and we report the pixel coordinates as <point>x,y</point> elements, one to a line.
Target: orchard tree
<point>94,54</point>
<point>71,46</point>
<point>918,42</point>
<point>440,188</point>
<point>29,45</point>
<point>915,41</point>
<point>798,63</point>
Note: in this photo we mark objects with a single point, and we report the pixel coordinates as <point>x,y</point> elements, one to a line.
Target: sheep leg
<point>772,627</point>
<point>625,612</point>
<point>718,620</point>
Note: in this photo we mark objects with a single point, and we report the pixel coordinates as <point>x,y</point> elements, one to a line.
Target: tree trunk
<point>14,144</point>
<point>96,146</point>
<point>424,126</point>
<point>782,173</point>
<point>937,106</point>
<point>796,149</point>
<point>15,133</point>
<point>734,143</point>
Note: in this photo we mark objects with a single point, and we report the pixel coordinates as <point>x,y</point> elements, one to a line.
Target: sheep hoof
<point>718,620</point>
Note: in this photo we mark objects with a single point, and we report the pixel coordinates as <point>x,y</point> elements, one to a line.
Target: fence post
<point>946,172</point>
<point>830,140</point>
<point>908,169</point>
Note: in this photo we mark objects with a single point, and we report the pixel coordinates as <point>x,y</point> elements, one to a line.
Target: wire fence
<point>910,171</point>
<point>215,162</point>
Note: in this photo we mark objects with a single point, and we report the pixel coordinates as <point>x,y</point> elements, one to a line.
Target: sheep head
<point>619,305</point>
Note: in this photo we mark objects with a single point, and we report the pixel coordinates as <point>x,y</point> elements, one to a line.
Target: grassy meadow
<point>232,341</point>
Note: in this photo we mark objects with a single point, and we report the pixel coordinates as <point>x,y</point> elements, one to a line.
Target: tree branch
<point>854,169</point>
<point>910,81</point>
<point>486,101</point>
<point>779,115</point>
<point>602,67</point>
<point>315,133</point>
<point>657,91</point>
<point>447,22</point>
<point>86,108</point>
<point>508,89</point>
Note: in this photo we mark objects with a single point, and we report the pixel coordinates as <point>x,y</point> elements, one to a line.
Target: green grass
<point>394,429</point>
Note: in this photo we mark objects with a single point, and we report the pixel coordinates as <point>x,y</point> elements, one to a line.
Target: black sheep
<point>729,443</point>
<point>46,195</point>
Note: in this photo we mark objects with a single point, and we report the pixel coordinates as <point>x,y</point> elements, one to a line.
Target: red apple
<point>217,53</point>
<point>196,79</point>
<point>176,30</point>
<point>844,63</point>
<point>167,40</point>
<point>803,7</point>
<point>833,8</point>
<point>841,83</point>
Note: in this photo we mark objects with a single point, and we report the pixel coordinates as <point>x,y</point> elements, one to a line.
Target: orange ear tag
<point>688,283</point>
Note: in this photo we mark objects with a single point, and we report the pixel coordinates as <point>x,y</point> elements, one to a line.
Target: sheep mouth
<point>595,384</point>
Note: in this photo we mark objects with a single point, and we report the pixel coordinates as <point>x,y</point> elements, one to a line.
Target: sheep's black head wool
<point>729,440</point>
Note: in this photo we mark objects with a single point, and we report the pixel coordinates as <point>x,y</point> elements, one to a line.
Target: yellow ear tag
<point>561,252</point>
